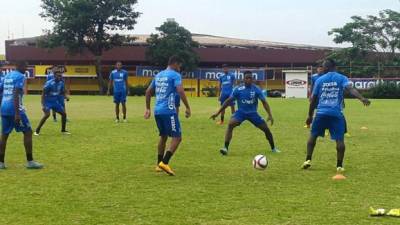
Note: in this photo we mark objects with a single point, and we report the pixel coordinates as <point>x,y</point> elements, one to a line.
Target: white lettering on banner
<point>365,84</point>
<point>150,72</point>
<point>214,75</point>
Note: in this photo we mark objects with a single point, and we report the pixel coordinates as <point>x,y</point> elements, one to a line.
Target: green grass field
<point>104,172</point>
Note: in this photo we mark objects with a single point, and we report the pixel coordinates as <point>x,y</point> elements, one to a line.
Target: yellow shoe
<point>158,169</point>
<point>220,123</point>
<point>326,133</point>
<point>347,135</point>
<point>166,169</point>
<point>376,212</point>
<point>394,212</point>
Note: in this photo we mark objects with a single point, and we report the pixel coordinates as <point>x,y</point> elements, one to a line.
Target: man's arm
<point>268,110</point>
<point>149,93</point>
<point>313,106</point>
<point>182,94</point>
<point>223,107</point>
<point>357,94</point>
<point>16,93</point>
<point>109,85</point>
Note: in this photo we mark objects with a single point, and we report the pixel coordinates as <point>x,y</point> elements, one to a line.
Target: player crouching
<point>53,91</point>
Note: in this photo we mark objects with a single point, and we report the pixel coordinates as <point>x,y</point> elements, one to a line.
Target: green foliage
<point>384,91</point>
<point>172,39</point>
<point>138,90</point>
<point>375,42</point>
<point>210,91</point>
<point>88,24</point>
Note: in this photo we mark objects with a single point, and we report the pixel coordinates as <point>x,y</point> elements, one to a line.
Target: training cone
<point>339,177</point>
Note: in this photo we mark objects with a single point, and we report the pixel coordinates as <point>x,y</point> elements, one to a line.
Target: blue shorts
<point>177,101</point>
<point>335,125</point>
<point>224,97</point>
<point>253,117</point>
<point>8,124</point>
<point>168,125</point>
<point>120,97</point>
<point>53,105</point>
<point>61,101</point>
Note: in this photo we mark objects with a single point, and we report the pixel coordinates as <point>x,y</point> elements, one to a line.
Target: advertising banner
<point>296,84</point>
<point>367,83</point>
<point>202,73</point>
<point>72,71</point>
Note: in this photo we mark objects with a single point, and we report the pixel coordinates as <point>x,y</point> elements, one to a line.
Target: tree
<point>375,42</point>
<point>88,24</point>
<point>172,39</point>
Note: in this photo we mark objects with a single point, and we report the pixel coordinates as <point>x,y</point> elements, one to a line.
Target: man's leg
<point>222,116</point>
<point>3,145</point>
<point>173,147</point>
<point>340,148</point>
<point>63,122</point>
<point>233,109</point>
<point>54,115</point>
<point>117,111</point>
<point>268,134</point>
<point>29,151</point>
<point>161,148</point>
<point>42,121</point>
<point>28,145</point>
<point>124,110</point>
<point>312,141</point>
<point>228,135</point>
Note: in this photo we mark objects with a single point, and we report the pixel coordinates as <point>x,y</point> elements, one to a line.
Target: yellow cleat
<point>158,169</point>
<point>220,123</point>
<point>166,169</point>
<point>376,212</point>
<point>394,212</point>
<point>340,170</point>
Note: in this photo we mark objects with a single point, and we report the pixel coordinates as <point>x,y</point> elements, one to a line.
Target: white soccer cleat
<point>36,133</point>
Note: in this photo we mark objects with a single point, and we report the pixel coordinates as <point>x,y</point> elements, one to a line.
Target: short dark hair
<point>329,64</point>
<point>248,72</point>
<point>174,59</point>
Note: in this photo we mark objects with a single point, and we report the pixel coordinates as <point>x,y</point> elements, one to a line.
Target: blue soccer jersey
<point>315,77</point>
<point>50,76</point>
<point>247,98</point>
<point>119,78</point>
<point>13,80</point>
<point>1,85</point>
<point>165,84</point>
<point>227,81</point>
<point>329,89</point>
<point>53,90</point>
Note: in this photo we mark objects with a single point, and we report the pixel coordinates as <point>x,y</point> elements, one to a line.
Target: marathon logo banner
<point>368,83</point>
<point>202,73</point>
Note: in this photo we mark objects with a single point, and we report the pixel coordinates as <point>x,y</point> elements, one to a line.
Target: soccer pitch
<point>104,172</point>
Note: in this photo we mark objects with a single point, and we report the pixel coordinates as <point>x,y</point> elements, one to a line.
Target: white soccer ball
<point>260,162</point>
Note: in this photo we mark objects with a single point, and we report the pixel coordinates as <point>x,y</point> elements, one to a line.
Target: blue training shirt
<point>50,76</point>
<point>13,80</point>
<point>329,89</point>
<point>247,98</point>
<point>119,78</point>
<point>315,77</point>
<point>227,82</point>
<point>165,84</point>
<point>53,90</point>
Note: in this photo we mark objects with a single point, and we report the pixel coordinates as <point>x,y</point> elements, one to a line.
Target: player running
<point>247,96</point>
<point>13,115</point>
<point>226,84</point>
<point>52,91</point>
<point>327,98</point>
<point>119,80</point>
<point>166,85</point>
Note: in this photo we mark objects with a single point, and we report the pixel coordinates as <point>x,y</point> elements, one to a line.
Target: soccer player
<point>166,85</point>
<point>247,96</point>
<point>119,80</point>
<point>52,91</point>
<point>327,98</point>
<point>226,84</point>
<point>50,76</point>
<point>13,115</point>
<point>315,77</point>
